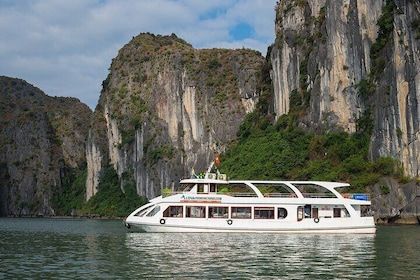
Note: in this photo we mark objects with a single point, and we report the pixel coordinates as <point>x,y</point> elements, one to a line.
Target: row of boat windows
<point>177,211</point>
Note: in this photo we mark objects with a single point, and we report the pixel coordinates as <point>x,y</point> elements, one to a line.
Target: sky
<point>65,47</point>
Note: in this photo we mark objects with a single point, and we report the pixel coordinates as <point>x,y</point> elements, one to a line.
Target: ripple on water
<point>254,255</point>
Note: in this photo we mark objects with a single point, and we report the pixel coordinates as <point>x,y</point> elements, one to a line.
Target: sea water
<point>104,249</point>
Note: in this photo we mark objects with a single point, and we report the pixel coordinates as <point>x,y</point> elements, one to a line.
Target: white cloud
<point>65,47</point>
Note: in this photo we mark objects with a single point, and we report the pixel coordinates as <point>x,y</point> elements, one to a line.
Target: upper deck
<point>218,184</point>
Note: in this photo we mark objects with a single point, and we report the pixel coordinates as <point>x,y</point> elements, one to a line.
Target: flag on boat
<point>193,173</point>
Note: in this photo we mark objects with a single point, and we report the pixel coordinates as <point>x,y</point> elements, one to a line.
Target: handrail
<point>281,195</point>
<point>356,196</point>
<point>319,195</point>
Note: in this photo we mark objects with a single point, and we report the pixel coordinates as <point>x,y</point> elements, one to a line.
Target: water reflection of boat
<point>215,204</point>
<point>253,255</point>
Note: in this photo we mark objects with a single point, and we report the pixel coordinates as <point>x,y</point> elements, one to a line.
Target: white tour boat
<point>215,204</point>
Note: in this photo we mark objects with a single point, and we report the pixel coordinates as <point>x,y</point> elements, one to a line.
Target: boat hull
<point>363,225</point>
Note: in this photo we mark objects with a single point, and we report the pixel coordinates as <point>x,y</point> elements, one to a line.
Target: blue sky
<point>65,47</point>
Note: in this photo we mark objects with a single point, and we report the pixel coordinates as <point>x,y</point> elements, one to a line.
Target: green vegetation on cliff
<point>109,201</point>
<point>286,152</point>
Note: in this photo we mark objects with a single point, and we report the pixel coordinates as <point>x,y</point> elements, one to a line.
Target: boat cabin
<point>202,198</point>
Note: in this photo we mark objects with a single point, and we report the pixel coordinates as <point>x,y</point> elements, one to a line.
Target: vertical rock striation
<point>323,51</point>
<point>167,108</point>
<point>42,142</point>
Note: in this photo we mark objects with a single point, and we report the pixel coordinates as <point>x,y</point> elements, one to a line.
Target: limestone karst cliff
<point>166,108</point>
<point>42,140</point>
<point>348,60</point>
<point>354,65</point>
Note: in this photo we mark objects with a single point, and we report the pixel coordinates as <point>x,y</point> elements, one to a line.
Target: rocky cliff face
<point>41,139</point>
<point>396,203</point>
<point>344,60</point>
<point>166,108</point>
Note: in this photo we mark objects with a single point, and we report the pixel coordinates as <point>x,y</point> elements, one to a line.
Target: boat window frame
<point>275,189</point>
<point>336,212</point>
<point>154,211</point>
<point>144,211</point>
<point>167,213</point>
<point>220,217</point>
<point>315,212</point>
<point>284,216</point>
<point>300,213</point>
<point>201,188</point>
<point>234,214</point>
<point>188,211</point>
<point>314,190</point>
<point>188,187</point>
<point>238,189</point>
<point>264,208</point>
<point>307,211</point>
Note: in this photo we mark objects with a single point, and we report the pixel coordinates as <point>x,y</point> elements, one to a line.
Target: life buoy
<point>162,221</point>
<point>229,222</point>
<point>316,220</point>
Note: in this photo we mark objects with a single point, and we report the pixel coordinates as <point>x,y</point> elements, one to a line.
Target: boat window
<point>315,213</point>
<point>314,191</point>
<point>263,212</point>
<point>241,212</point>
<point>300,211</point>
<point>308,211</point>
<point>195,212</point>
<point>345,213</point>
<point>173,211</point>
<point>218,212</point>
<point>337,212</point>
<point>154,211</point>
<point>142,212</point>
<point>281,213</point>
<point>237,190</point>
<point>187,187</point>
<point>365,211</point>
<point>274,189</point>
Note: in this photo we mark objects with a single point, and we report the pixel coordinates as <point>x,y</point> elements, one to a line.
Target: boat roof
<point>203,181</point>
<point>218,181</point>
<point>253,184</point>
<point>320,183</point>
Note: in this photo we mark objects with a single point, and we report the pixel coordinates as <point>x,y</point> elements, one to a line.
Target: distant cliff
<point>166,108</point>
<point>42,139</point>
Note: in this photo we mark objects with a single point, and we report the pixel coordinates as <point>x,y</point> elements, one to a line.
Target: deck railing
<point>357,196</point>
<point>234,194</point>
<point>319,195</point>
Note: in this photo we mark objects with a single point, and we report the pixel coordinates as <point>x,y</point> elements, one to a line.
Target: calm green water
<point>100,249</point>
